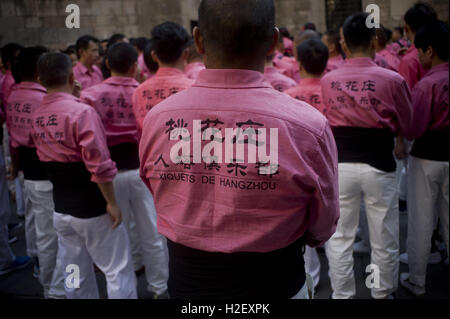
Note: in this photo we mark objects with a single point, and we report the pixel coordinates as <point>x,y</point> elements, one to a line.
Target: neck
<point>121,75</point>
<point>177,65</point>
<point>62,89</point>
<point>411,37</point>
<point>306,75</point>
<point>354,55</point>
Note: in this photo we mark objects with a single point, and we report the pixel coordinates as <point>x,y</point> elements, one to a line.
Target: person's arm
<point>112,208</point>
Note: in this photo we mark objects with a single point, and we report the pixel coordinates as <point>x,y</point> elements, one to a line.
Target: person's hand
<point>76,89</point>
<point>12,173</point>
<point>115,214</point>
<point>400,150</point>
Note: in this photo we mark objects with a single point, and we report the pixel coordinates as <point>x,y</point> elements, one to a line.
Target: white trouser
<point>6,255</point>
<point>135,244</point>
<point>83,242</point>
<point>402,168</point>
<point>30,222</point>
<point>381,202</point>
<point>39,204</point>
<point>307,292</point>
<point>363,225</point>
<point>134,198</point>
<point>312,264</point>
<point>20,200</point>
<point>428,190</point>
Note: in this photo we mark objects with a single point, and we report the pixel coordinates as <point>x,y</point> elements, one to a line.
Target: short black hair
<point>434,35</point>
<point>313,55</point>
<point>115,38</point>
<point>169,41</point>
<point>309,26</point>
<point>26,67</point>
<point>54,69</point>
<point>357,35</point>
<point>383,35</point>
<point>141,43</point>
<point>400,30</point>
<point>284,32</point>
<point>419,15</point>
<point>83,43</point>
<point>9,53</point>
<point>121,57</point>
<point>151,64</point>
<point>334,37</point>
<point>234,28</point>
<point>71,49</point>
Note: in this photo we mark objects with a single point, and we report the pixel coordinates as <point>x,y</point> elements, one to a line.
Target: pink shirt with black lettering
<point>68,131</point>
<point>166,82</point>
<point>362,94</point>
<point>310,91</point>
<point>279,81</point>
<point>86,77</point>
<point>410,67</point>
<point>392,59</point>
<point>112,101</point>
<point>25,97</point>
<point>192,70</point>
<point>217,199</point>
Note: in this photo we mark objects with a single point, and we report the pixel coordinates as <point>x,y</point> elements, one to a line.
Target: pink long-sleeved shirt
<point>192,70</point>
<point>309,91</point>
<point>279,81</point>
<point>143,66</point>
<point>166,82</point>
<point>86,77</point>
<point>112,101</point>
<point>392,59</point>
<point>228,204</point>
<point>67,131</point>
<point>24,99</point>
<point>7,86</point>
<point>335,63</point>
<point>362,94</point>
<point>410,67</point>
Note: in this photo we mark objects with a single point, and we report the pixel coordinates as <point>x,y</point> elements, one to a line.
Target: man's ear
<point>430,52</point>
<point>199,43</point>
<point>275,41</point>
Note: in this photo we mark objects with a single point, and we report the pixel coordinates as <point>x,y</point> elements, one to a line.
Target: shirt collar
<point>359,62</point>
<point>30,86</point>
<point>122,81</point>
<point>231,78</point>
<point>53,97</point>
<point>84,68</point>
<point>169,72</point>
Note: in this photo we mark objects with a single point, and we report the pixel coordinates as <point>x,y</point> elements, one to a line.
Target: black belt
<point>433,146</point>
<point>126,156</point>
<point>33,169</point>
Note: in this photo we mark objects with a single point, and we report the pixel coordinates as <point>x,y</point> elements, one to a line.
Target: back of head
<point>140,43</point>
<point>435,35</point>
<point>334,38</point>
<point>9,53</point>
<point>236,28</point>
<point>356,34</point>
<point>419,15</point>
<point>310,26</point>
<point>26,67</point>
<point>83,43</point>
<point>400,31</point>
<point>116,38</point>
<point>313,56</point>
<point>54,70</point>
<point>151,64</point>
<point>71,49</point>
<point>121,57</point>
<point>169,41</point>
<point>306,35</point>
<point>382,36</point>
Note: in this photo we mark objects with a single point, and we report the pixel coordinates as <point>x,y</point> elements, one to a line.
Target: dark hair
<point>284,32</point>
<point>25,68</point>
<point>310,26</point>
<point>382,36</point>
<point>141,43</point>
<point>434,35</point>
<point>313,55</point>
<point>121,57</point>
<point>83,43</point>
<point>334,37</point>
<point>234,28</point>
<point>357,35</point>
<point>419,15</point>
<point>152,66</point>
<point>388,33</point>
<point>115,38</point>
<point>169,41</point>
<point>54,69</point>
<point>400,30</point>
<point>71,49</point>
<point>9,53</point>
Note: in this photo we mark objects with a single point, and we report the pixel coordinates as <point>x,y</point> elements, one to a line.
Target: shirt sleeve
<point>324,207</point>
<point>421,105</point>
<point>91,139</point>
<point>409,72</point>
<point>403,105</point>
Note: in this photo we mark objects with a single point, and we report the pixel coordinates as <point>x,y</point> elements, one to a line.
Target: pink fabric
<point>7,86</point>
<point>288,45</point>
<point>112,101</point>
<point>166,82</point>
<point>361,94</point>
<point>66,131</point>
<point>87,78</point>
<point>287,66</point>
<point>233,214</point>
<point>430,102</point>
<point>309,91</point>
<point>334,63</point>
<point>192,70</point>
<point>279,81</point>
<point>380,61</point>
<point>143,66</point>
<point>392,59</point>
<point>410,67</point>
<point>23,100</point>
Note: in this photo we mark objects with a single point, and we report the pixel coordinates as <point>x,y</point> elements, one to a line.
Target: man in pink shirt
<point>170,50</point>
<point>9,53</point>
<point>313,59</point>
<point>85,71</point>
<point>392,60</point>
<point>246,217</point>
<point>112,101</point>
<point>367,107</point>
<point>279,81</point>
<point>71,141</point>
<point>428,170</point>
<point>42,241</point>
<point>332,41</point>
<point>416,17</point>
<point>194,64</point>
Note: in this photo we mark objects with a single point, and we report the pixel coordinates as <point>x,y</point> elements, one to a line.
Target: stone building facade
<point>33,22</point>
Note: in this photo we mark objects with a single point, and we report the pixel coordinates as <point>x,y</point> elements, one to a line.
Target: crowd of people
<point>217,163</point>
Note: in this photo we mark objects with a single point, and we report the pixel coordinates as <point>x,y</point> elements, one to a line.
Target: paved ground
<point>21,284</point>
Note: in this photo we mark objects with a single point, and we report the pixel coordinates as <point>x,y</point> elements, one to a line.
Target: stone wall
<point>33,22</point>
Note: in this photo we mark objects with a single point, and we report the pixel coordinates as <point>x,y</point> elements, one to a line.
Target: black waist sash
<point>73,192</point>
<point>196,274</point>
<point>366,145</point>
<point>33,169</point>
<point>126,156</point>
<point>433,146</point>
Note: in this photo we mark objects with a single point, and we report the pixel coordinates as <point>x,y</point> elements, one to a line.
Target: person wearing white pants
<point>312,265</point>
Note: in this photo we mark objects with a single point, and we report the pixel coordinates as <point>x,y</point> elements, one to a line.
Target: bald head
<point>234,28</point>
